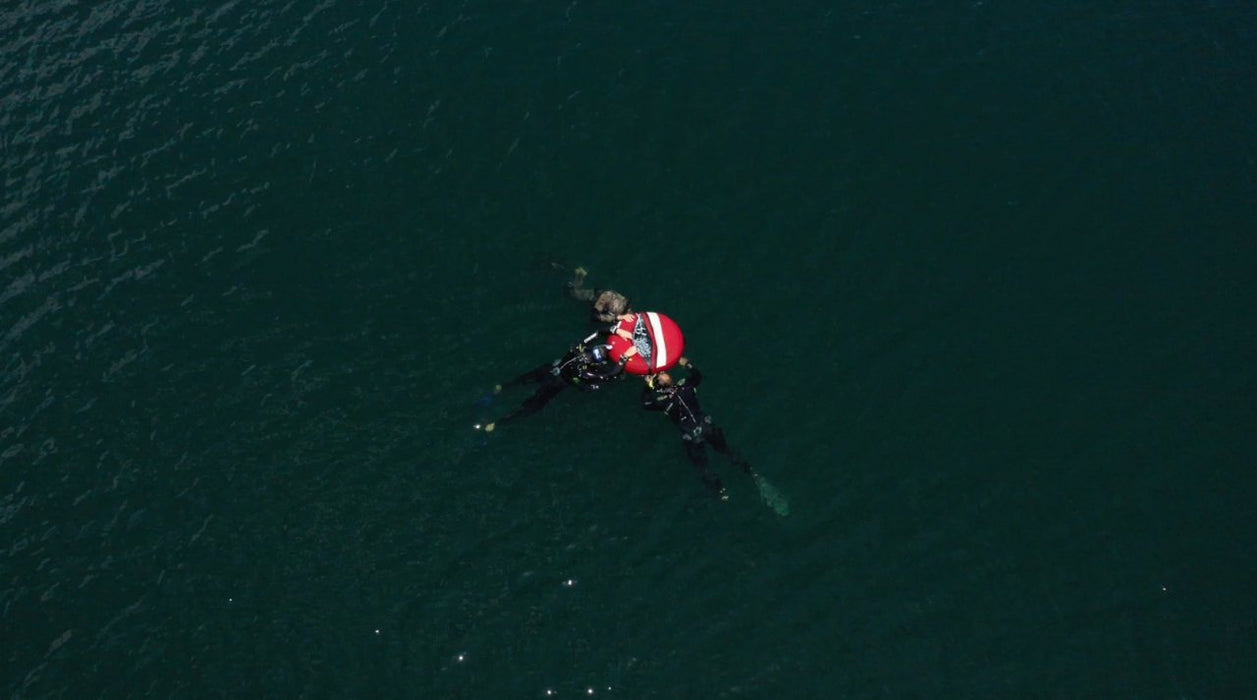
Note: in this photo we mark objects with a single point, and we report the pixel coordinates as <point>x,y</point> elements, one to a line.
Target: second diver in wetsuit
<point>605,305</point>
<point>679,400</point>
<point>586,367</point>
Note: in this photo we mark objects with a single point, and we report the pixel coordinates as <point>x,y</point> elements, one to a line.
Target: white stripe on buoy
<point>661,345</point>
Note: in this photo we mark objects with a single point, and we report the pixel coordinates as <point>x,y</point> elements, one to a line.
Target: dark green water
<point>972,283</point>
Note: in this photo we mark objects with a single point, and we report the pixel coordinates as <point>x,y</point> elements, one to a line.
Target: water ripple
<point>140,147</point>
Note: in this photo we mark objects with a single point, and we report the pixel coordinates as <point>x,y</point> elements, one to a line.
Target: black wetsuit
<point>579,368</point>
<point>680,403</point>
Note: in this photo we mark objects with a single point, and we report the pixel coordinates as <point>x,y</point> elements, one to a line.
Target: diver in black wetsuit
<point>679,399</point>
<point>586,367</point>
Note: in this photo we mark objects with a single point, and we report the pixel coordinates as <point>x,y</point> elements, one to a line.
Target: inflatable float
<point>657,338</point>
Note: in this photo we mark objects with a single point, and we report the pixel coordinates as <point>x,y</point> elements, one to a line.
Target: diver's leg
<point>547,391</point>
<point>698,456</point>
<point>717,439</point>
<point>532,376</point>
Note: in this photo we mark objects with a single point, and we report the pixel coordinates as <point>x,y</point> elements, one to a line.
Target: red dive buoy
<point>655,336</point>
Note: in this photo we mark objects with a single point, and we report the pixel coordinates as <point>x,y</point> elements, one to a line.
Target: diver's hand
<point>684,361</point>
